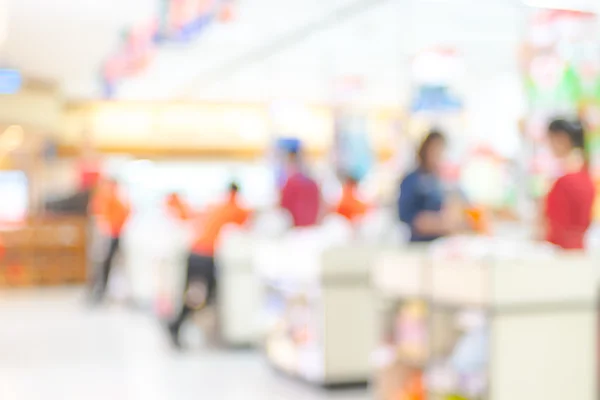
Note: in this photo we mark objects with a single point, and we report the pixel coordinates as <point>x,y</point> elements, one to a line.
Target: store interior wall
<point>38,106</point>
<point>375,45</point>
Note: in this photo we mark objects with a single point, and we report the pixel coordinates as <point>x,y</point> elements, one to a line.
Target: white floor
<point>54,348</point>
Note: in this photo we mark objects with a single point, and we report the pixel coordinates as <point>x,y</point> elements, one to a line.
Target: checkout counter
<point>477,318</point>
<point>240,293</point>
<point>316,288</point>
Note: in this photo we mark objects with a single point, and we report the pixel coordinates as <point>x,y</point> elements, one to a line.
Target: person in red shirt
<point>300,195</point>
<point>111,211</point>
<point>350,206</point>
<point>201,282</point>
<point>569,203</point>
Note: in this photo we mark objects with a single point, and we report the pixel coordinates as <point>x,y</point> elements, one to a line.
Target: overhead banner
<point>180,21</point>
<point>137,50</point>
<point>184,20</point>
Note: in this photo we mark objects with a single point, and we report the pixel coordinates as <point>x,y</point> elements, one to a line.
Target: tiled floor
<point>54,348</point>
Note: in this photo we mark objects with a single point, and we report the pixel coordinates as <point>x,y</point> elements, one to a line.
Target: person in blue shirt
<point>421,202</point>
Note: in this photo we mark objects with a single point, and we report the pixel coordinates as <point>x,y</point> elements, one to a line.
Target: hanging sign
<point>184,20</point>
<point>180,21</point>
<point>138,49</point>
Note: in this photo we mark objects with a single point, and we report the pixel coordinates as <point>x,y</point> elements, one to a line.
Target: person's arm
<point>126,205</point>
<point>182,210</point>
<point>324,207</point>
<point>540,220</point>
<point>426,223</point>
<point>287,195</point>
<point>97,203</point>
<point>556,213</point>
<point>187,211</point>
<point>432,223</point>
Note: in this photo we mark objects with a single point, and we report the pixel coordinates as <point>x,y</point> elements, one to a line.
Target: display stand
<point>400,278</point>
<point>536,336</point>
<point>541,322</point>
<point>320,309</point>
<point>240,291</point>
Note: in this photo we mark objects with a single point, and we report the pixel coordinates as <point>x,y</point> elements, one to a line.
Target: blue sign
<point>10,81</point>
<point>435,99</point>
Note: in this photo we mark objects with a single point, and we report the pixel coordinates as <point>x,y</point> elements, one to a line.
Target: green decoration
<point>570,91</point>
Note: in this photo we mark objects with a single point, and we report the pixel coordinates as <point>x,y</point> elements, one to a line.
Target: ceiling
<point>272,49</point>
<point>65,41</point>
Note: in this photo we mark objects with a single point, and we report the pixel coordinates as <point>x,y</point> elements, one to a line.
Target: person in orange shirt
<point>111,212</point>
<point>350,206</point>
<point>201,282</point>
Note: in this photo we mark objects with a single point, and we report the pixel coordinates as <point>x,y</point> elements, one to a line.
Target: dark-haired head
<point>234,187</point>
<point>431,151</point>
<point>293,161</point>
<point>349,179</point>
<point>565,136</point>
<point>293,156</point>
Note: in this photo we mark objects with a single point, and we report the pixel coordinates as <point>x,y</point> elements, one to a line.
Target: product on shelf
<point>459,357</point>
<point>477,220</point>
<point>292,342</point>
<point>411,338</point>
<point>441,378</point>
<point>402,357</point>
<point>455,397</point>
<point>470,355</point>
<point>464,370</point>
<point>392,381</point>
<point>414,388</point>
